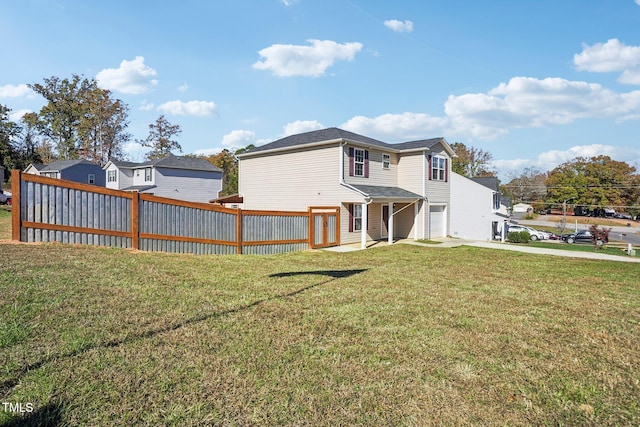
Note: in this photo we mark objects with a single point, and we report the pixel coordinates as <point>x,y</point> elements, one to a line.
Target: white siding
<point>471,209</point>
<point>114,184</point>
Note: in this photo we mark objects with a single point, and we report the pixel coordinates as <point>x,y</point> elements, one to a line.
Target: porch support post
<point>365,225</point>
<point>416,211</point>
<point>390,226</point>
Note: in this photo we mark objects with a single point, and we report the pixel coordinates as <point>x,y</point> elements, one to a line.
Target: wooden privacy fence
<point>47,209</point>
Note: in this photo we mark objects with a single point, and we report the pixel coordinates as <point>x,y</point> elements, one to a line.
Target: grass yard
<point>399,335</point>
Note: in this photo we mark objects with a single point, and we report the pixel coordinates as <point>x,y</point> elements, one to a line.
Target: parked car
<point>533,233</point>
<point>5,198</point>
<point>581,236</point>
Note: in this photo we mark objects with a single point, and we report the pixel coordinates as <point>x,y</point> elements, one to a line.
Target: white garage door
<point>437,220</point>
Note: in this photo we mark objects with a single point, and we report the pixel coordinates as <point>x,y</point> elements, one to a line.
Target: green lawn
<point>400,335</point>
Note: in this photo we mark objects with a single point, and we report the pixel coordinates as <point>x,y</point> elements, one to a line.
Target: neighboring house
<point>476,209</point>
<point>33,168</point>
<point>177,177</point>
<point>82,171</point>
<point>521,210</point>
<point>383,190</point>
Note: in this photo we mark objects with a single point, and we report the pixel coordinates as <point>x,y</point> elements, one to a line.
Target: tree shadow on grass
<point>7,385</point>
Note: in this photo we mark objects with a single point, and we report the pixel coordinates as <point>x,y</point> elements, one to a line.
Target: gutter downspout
<point>367,199</point>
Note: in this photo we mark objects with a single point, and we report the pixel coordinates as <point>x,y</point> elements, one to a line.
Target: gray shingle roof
<point>487,181</point>
<point>172,162</point>
<point>64,164</point>
<point>378,192</point>
<point>336,134</point>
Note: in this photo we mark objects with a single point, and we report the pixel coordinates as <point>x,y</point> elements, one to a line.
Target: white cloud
<point>16,116</point>
<point>399,26</point>
<point>11,91</point>
<point>190,108</point>
<point>301,126</point>
<point>239,138</point>
<point>612,56</point>
<point>183,88</point>
<point>132,77</point>
<point>207,151</point>
<point>526,102</point>
<point>607,57</point>
<point>397,127</point>
<point>307,61</point>
<point>134,151</point>
<point>146,105</point>
<point>638,2</point>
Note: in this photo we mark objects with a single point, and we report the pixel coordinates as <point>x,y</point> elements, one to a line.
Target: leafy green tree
<point>160,139</point>
<point>596,181</point>
<point>9,156</point>
<point>80,119</point>
<point>471,162</point>
<point>103,129</point>
<point>528,187</point>
<point>228,162</point>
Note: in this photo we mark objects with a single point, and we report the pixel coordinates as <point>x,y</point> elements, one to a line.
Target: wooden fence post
<point>239,232</point>
<point>16,178</point>
<point>135,234</point>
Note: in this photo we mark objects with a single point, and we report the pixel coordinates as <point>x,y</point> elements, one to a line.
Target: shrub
<point>600,236</point>
<point>519,237</point>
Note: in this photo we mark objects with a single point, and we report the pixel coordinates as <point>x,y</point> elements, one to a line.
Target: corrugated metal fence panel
<point>259,228</point>
<point>59,205</point>
<point>272,249</point>
<point>317,228</point>
<point>332,228</point>
<point>184,221</point>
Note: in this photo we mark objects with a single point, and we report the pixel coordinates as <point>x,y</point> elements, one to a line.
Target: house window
<point>496,201</point>
<point>438,168</point>
<point>386,161</point>
<point>358,162</point>
<point>50,174</point>
<point>147,174</point>
<point>357,217</point>
<point>111,176</point>
<point>92,179</point>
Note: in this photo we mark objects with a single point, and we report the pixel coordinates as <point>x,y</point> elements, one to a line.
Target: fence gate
<point>324,226</point>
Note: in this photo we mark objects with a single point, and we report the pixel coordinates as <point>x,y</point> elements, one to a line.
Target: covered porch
<point>387,213</point>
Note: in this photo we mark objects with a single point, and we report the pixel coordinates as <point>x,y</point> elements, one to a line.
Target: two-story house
<point>177,177</point>
<point>383,190</point>
<point>78,170</point>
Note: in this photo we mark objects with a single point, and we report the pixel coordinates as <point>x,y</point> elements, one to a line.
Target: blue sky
<point>535,83</point>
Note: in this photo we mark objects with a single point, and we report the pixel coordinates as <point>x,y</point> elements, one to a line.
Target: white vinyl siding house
<point>379,187</point>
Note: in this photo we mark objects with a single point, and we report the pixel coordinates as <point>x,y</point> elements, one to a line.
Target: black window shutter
<point>366,163</point>
<point>430,168</point>
<point>350,161</point>
<point>350,217</point>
